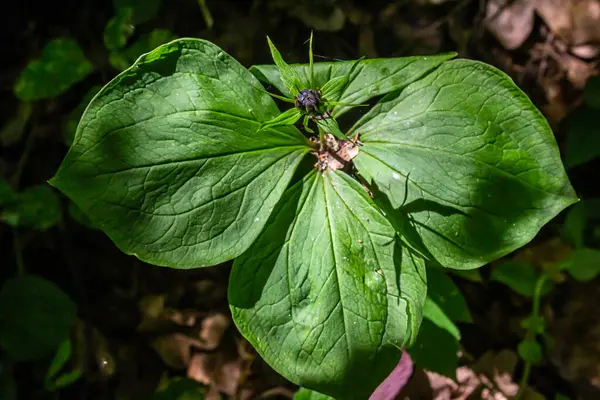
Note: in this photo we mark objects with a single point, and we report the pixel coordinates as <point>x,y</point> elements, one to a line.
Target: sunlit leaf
<point>307,394</point>
<point>75,115</point>
<point>371,77</point>
<point>169,161</point>
<point>330,125</point>
<point>326,292</point>
<point>289,77</point>
<point>289,117</point>
<point>469,164</point>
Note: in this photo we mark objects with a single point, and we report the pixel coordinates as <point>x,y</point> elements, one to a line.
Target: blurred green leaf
<point>7,194</point>
<point>447,296</point>
<point>435,314</point>
<point>63,355</point>
<point>13,130</point>
<point>591,92</point>
<point>583,136</point>
<point>181,389</point>
<point>35,317</point>
<point>64,380</point>
<point>307,394</point>
<point>435,350</point>
<point>143,10</point>
<point>123,59</point>
<point>574,226</point>
<point>37,207</point>
<point>75,115</point>
<point>535,323</point>
<point>54,381</point>
<point>119,29</point>
<point>519,276</point>
<point>582,264</point>
<point>530,351</point>
<point>61,65</point>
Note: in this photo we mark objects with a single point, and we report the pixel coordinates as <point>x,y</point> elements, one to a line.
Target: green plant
<point>184,161</point>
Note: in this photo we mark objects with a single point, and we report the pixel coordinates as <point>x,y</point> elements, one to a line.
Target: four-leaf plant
<point>185,161</point>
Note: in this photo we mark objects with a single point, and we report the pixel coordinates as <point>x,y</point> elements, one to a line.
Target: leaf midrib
<point>337,276</point>
<point>207,157</point>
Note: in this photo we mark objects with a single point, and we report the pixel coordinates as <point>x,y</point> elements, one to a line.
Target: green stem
<point>524,379</point>
<point>208,19</point>
<point>530,335</point>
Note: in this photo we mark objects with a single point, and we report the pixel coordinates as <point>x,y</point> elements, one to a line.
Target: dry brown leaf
<point>511,24</point>
<point>173,349</point>
<point>215,370</point>
<point>556,16</point>
<point>212,330</point>
<point>575,21</point>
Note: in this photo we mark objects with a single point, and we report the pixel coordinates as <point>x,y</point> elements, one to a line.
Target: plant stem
<point>524,379</point>
<point>535,312</point>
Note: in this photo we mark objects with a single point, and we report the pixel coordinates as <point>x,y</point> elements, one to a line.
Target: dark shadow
<point>406,226</point>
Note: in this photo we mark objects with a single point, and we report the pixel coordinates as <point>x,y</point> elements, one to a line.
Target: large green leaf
<point>467,161</point>
<point>35,317</point>
<point>61,65</point>
<point>325,294</point>
<point>307,394</point>
<point>370,78</point>
<point>169,162</point>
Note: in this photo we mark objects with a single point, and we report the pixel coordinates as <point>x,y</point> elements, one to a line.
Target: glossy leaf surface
<point>326,293</point>
<point>468,163</point>
<point>169,162</point>
<point>369,78</point>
